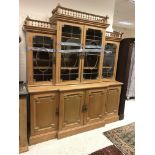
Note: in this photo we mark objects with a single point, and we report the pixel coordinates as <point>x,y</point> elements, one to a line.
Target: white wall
<point>128,33</point>
<point>41,9</point>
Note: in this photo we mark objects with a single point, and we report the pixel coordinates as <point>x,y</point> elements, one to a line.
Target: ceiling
<point>124,12</point>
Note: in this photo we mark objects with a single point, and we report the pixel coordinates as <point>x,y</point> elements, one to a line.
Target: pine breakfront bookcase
<point>71,68</point>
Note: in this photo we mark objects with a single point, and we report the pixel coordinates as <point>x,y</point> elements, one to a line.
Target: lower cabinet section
<point>64,113</point>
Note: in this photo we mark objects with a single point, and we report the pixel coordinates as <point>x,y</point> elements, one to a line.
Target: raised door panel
<point>71,109</point>
<point>43,113</point>
<point>113,100</point>
<point>95,101</point>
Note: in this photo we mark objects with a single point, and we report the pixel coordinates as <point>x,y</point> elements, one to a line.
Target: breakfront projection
<point>79,55</point>
<point>71,68</point>
<point>80,49</point>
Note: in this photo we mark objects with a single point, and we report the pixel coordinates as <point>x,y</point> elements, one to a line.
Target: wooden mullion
<point>58,54</point>
<point>29,58</point>
<point>116,59</point>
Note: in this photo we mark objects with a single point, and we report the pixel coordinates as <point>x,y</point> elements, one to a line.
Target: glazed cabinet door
<point>113,98</point>
<point>95,105</point>
<point>93,47</point>
<point>68,52</point>
<point>71,104</point>
<point>40,58</point>
<point>110,60</point>
<point>43,110</point>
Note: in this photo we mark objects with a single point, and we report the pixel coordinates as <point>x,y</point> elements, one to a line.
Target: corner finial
<point>27,17</point>
<point>107,17</point>
<point>59,4</point>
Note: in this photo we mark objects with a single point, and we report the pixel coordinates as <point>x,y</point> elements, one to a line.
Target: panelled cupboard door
<point>95,105</point>
<point>113,97</point>
<point>44,113</point>
<point>71,109</point>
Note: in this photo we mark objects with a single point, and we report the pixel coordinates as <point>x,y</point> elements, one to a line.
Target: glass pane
<point>93,37</point>
<point>69,59</point>
<point>91,63</point>
<point>42,60</point>
<point>109,60</point>
<point>71,37</point>
<point>43,41</point>
<point>69,66</point>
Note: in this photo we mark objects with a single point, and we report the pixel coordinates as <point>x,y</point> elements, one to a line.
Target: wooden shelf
<point>42,74</point>
<point>70,37</point>
<point>93,36</point>
<point>91,73</point>
<point>90,68</point>
<point>41,44</point>
<point>42,67</point>
<point>92,40</point>
<point>107,67</point>
<point>70,44</point>
<point>71,33</point>
<point>68,74</point>
<point>69,68</point>
<point>45,60</point>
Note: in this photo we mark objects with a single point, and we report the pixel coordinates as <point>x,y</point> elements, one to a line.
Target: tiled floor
<point>83,143</point>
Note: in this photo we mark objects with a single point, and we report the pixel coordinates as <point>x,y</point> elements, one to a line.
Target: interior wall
<point>127,33</point>
<point>41,10</point>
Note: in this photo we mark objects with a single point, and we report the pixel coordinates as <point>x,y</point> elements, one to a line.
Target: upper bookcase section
<point>74,16</point>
